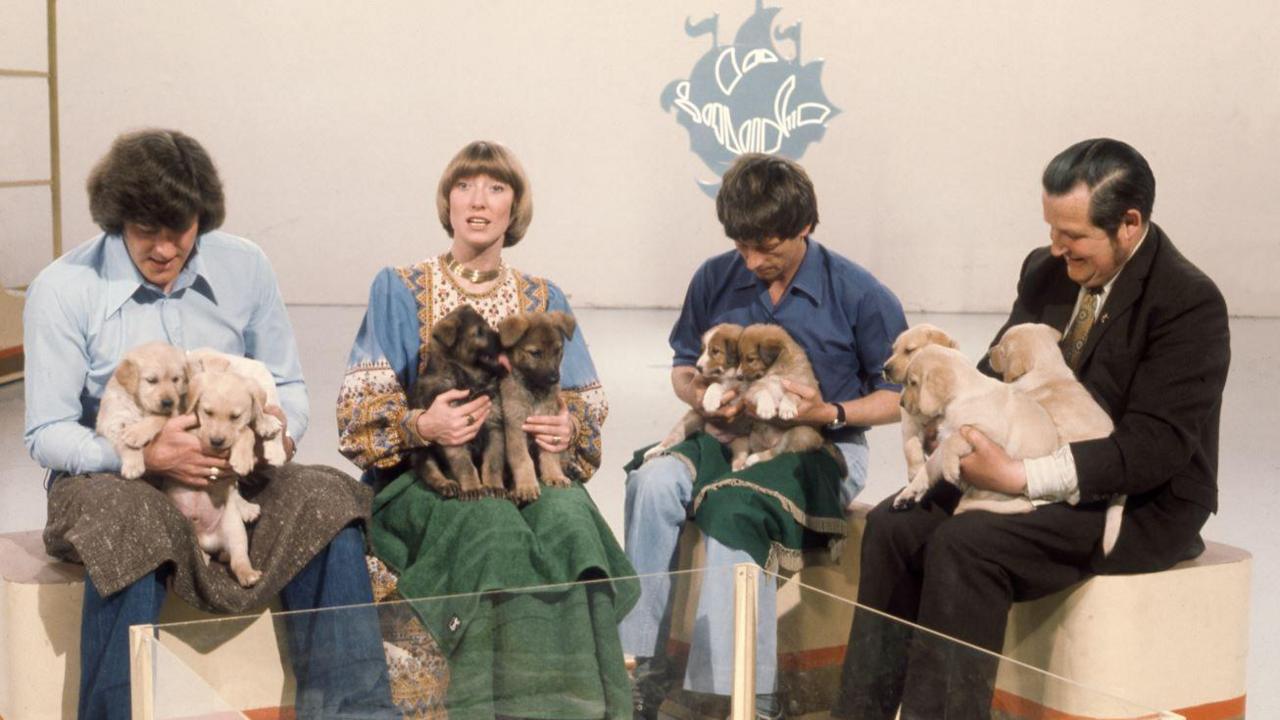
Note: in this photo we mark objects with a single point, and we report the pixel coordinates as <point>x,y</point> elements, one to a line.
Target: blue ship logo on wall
<point>746,97</point>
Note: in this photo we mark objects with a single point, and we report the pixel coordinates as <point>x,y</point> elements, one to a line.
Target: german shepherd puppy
<point>463,354</point>
<point>534,343</point>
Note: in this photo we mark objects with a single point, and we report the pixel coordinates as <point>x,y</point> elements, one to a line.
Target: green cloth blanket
<point>547,653</point>
<point>773,510</point>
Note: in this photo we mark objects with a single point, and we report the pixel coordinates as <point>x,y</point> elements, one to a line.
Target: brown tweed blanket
<point>123,529</point>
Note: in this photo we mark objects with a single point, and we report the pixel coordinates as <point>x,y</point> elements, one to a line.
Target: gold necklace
<point>475,276</point>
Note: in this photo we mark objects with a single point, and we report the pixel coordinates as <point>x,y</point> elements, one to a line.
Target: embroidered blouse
<point>375,422</point>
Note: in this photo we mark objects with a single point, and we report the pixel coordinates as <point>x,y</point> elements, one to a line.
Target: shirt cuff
<point>409,426</point>
<point>1052,478</point>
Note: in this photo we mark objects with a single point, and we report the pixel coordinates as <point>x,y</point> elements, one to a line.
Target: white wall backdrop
<point>331,122</point>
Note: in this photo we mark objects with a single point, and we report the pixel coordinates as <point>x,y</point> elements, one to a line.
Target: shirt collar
<point>124,280</point>
<point>807,280</point>
<point>1106,289</point>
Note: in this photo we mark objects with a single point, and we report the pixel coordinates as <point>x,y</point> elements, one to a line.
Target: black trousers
<point>958,575</point>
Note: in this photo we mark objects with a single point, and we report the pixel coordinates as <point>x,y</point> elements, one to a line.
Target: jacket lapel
<point>1125,293</point>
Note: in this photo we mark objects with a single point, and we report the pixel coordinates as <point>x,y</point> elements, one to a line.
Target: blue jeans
<point>337,657</point>
<point>658,495</point>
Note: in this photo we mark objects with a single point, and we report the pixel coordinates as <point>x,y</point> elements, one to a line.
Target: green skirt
<point>547,653</point>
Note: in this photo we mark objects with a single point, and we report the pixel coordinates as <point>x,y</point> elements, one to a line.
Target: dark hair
<point>156,177</point>
<point>765,196</point>
<point>1117,176</point>
<point>498,162</point>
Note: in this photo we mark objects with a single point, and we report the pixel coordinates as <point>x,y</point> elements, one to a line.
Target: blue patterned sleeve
<point>374,418</point>
<point>583,394</point>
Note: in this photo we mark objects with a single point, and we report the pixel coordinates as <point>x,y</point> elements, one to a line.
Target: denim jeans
<point>337,656</point>
<point>657,501</point>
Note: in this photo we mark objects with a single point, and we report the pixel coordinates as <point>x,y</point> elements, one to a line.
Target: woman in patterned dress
<point>553,653</point>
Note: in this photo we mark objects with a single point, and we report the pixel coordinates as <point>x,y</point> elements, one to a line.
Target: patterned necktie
<point>1078,333</point>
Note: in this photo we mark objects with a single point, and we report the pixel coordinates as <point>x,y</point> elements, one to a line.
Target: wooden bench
<point>1176,640</point>
<point>40,607</point>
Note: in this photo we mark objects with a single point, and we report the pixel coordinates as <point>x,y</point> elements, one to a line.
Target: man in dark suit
<point>1147,333</point>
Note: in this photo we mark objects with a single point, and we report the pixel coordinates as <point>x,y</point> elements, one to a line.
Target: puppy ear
<point>194,386</point>
<point>511,329</point>
<point>935,390</point>
<point>445,332</point>
<point>127,373</point>
<point>565,323</point>
<point>996,357</point>
<point>770,350</point>
<point>259,401</point>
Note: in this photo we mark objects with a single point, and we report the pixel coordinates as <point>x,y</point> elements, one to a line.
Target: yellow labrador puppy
<point>718,366</point>
<point>147,388</point>
<point>941,384</point>
<point>914,428</point>
<point>767,356</point>
<point>227,405</point>
<point>1029,358</point>
<point>266,426</point>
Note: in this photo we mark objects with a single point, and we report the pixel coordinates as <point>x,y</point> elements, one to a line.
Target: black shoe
<point>649,687</point>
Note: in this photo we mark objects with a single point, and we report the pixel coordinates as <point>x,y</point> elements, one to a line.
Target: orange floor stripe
<point>1021,707</point>
<point>276,713</point>
<point>1222,710</point>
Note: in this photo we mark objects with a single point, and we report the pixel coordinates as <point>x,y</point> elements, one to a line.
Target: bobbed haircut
<point>1117,176</point>
<point>484,157</point>
<point>156,177</point>
<point>765,196</point>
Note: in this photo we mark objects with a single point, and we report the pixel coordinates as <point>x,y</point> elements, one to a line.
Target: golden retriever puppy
<point>147,388</point>
<point>226,405</point>
<point>941,384</point>
<point>534,343</point>
<point>266,426</point>
<point>718,367</point>
<point>1028,356</point>
<point>767,356</point>
<point>905,346</point>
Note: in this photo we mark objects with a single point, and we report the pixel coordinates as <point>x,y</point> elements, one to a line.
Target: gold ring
<point>555,439</point>
<point>470,420</point>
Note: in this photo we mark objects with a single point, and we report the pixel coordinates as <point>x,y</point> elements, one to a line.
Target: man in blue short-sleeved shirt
<point>844,319</point>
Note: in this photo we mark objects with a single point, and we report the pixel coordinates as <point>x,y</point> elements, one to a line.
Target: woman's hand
<point>989,467</point>
<point>446,424</point>
<point>175,454</point>
<point>552,433</point>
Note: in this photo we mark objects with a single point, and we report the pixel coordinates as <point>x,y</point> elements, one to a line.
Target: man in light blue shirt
<point>162,272</point>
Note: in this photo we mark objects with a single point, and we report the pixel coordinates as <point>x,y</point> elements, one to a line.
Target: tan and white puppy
<point>941,384</point>
<point>148,387</point>
<point>905,346</point>
<point>1029,358</point>
<point>767,356</point>
<point>226,405</point>
<point>266,426</point>
<point>718,367</point>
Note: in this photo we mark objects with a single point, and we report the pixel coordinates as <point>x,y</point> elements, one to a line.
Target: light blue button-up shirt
<point>89,307</point>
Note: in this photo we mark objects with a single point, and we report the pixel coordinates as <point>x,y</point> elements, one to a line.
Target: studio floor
<point>630,351</point>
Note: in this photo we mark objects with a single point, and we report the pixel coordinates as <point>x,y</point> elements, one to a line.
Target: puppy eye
<point>535,352</point>
<point>235,416</point>
<point>153,380</point>
<point>206,412</point>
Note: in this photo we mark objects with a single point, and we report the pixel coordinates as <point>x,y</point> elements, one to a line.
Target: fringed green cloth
<point>545,654</point>
<point>773,510</point>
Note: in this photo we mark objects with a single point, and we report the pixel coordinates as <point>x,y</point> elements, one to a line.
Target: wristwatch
<point>839,421</point>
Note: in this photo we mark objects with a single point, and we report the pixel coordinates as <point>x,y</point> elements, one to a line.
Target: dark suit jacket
<point>1157,360</point>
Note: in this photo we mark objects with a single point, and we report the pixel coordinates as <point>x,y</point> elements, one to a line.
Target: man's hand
<point>446,424</point>
<point>289,447</point>
<point>175,454</point>
<point>989,467</point>
<point>552,433</point>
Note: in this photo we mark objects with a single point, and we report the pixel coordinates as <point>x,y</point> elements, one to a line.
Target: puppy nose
<point>555,377</point>
<point>167,403</point>
<point>217,441</point>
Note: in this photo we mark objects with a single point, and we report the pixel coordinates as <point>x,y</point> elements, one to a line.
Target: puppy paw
<point>556,481</point>
<point>246,575</point>
<point>787,408</point>
<point>242,459</point>
<point>765,407</point>
<point>712,398</point>
<point>656,451</point>
<point>445,488</point>
<point>905,499</point>
<point>951,468</point>
<point>750,460</point>
<point>249,512</point>
<point>268,427</point>
<point>136,437</point>
<point>523,494</point>
<point>476,493</point>
<point>132,466</point>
